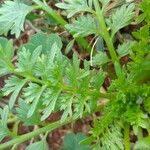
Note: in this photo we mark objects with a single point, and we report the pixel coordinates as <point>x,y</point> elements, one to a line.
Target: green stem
<point>82,42</point>
<point>28,136</point>
<point>104,32</point>
<point>127,136</point>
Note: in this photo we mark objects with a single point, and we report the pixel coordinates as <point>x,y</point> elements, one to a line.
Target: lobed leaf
<point>83,26</point>
<point>74,6</point>
<point>12,17</point>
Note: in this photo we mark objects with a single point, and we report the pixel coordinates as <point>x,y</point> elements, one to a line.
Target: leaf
<point>124,49</point>
<point>32,95</point>
<point>44,40</point>
<point>100,58</point>
<point>72,142</point>
<point>50,98</point>
<point>6,55</point>
<point>83,26</point>
<point>13,86</point>
<point>42,145</point>
<point>12,17</point>
<point>74,6</point>
<point>143,33</point>
<point>3,123</point>
<point>143,144</point>
<point>69,46</point>
<point>145,5</point>
<point>121,18</point>
<point>27,60</point>
<point>22,111</point>
<point>112,139</point>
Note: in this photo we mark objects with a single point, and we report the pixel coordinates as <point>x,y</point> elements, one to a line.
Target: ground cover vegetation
<point>88,58</point>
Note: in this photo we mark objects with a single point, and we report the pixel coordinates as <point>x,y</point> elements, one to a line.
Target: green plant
<point>42,80</point>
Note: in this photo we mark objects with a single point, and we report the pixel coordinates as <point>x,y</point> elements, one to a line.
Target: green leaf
<point>12,17</point>
<point>13,86</point>
<point>69,46</point>
<point>121,18</point>
<point>124,49</point>
<point>3,123</point>
<point>46,41</point>
<point>74,6</point>
<point>6,55</point>
<point>27,60</point>
<point>32,95</point>
<point>143,33</point>
<point>72,142</point>
<point>112,139</point>
<point>50,98</point>
<point>83,26</point>
<point>145,5</point>
<point>143,144</point>
<point>22,111</point>
<point>100,58</point>
<point>42,145</point>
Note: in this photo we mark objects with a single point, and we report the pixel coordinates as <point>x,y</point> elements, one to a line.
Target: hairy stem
<point>126,136</point>
<point>81,41</point>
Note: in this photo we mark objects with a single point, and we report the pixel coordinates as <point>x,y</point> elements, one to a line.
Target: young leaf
<point>27,60</point>
<point>83,26</point>
<point>100,58</point>
<point>74,6</point>
<point>13,86</point>
<point>124,49</point>
<point>41,145</point>
<point>121,18</point>
<point>12,17</point>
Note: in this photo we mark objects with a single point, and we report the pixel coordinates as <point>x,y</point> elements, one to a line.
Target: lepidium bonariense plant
<point>43,80</point>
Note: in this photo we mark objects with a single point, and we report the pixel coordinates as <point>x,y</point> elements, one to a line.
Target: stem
<point>28,136</point>
<point>62,22</point>
<point>126,136</point>
<point>105,34</point>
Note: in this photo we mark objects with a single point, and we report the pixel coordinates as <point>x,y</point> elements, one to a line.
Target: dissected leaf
<point>13,85</point>
<point>22,112</point>
<point>124,49</point>
<point>100,58</point>
<point>12,17</point>
<point>44,40</point>
<point>121,18</point>
<point>6,55</point>
<point>83,26</point>
<point>74,6</point>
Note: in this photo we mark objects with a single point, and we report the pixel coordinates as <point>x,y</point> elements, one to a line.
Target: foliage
<point>42,80</point>
<point>12,16</point>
